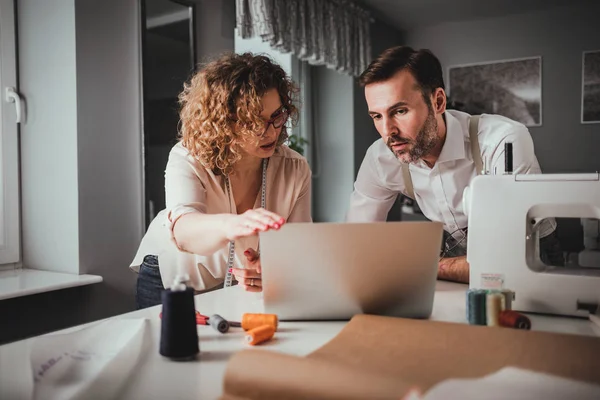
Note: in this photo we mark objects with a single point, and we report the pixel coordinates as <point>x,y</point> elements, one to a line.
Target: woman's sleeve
<point>184,191</point>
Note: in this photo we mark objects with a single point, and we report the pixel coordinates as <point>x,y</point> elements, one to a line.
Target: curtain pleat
<point>334,33</point>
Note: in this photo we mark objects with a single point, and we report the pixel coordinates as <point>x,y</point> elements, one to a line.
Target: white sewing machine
<point>503,244</point>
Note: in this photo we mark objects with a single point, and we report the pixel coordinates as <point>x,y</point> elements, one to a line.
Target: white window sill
<point>25,282</point>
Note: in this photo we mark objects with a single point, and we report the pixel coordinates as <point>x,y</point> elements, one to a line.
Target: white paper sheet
<point>91,363</point>
<point>514,383</point>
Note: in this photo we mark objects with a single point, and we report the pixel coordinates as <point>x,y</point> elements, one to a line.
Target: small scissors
<point>203,320</point>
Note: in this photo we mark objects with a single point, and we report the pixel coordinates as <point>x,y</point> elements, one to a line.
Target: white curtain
<point>334,33</point>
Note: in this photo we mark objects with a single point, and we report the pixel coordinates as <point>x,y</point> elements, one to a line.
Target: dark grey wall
<point>560,36</point>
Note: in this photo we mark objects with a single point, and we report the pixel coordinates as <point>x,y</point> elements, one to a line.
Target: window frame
<point>10,234</point>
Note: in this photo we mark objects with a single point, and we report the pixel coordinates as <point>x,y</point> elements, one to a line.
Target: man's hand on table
<point>455,269</point>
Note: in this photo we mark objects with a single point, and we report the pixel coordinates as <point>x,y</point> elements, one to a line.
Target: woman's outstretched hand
<point>251,222</point>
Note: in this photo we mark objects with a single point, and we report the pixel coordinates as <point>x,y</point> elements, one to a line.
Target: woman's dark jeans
<point>149,285</point>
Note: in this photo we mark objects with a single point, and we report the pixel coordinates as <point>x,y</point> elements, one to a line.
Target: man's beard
<point>418,148</point>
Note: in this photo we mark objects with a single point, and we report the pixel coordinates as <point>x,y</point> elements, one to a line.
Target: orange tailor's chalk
<point>260,334</point>
<point>251,321</point>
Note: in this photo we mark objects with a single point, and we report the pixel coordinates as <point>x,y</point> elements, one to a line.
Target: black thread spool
<point>508,158</point>
<point>178,334</point>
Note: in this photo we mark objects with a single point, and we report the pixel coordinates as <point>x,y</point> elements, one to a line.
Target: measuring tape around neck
<point>263,201</point>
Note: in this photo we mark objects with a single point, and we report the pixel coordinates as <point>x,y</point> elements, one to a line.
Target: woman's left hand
<point>250,276</point>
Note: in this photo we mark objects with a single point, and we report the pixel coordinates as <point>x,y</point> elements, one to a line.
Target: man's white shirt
<point>439,190</point>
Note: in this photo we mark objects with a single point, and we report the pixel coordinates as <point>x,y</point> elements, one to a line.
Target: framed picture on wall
<point>590,87</point>
<point>512,88</point>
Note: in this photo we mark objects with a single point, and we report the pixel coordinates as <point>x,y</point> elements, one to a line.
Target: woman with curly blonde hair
<point>229,177</point>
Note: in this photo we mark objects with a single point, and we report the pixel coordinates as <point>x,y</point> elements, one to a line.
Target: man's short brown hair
<point>423,65</point>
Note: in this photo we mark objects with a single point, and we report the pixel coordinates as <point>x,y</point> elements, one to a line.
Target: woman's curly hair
<point>221,106</point>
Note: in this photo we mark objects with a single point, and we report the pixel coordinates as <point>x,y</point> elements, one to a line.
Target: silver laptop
<point>330,271</point>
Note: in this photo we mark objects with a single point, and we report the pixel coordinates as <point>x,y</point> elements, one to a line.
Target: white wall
<point>49,176</point>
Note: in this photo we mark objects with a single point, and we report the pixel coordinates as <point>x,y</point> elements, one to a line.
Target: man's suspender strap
<point>474,137</point>
<point>476,152</point>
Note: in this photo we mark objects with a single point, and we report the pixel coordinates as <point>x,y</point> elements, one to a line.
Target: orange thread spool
<point>513,319</point>
<point>251,321</point>
<point>261,334</point>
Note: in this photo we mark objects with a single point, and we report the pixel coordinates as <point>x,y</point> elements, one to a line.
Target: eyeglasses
<point>277,121</point>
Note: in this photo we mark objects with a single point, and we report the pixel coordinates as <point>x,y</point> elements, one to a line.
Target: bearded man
<point>431,154</point>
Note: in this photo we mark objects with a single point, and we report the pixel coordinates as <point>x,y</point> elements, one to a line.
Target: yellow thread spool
<point>494,306</point>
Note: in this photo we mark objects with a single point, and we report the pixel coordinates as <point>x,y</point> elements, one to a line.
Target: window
<point>10,113</point>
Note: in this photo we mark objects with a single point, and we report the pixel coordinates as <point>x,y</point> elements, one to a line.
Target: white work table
<point>160,378</point>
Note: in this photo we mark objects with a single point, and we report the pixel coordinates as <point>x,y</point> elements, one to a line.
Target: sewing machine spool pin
<point>508,158</point>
